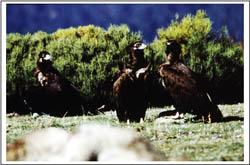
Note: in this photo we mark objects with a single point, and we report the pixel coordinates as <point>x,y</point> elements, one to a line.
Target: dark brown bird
<point>186,88</point>
<point>130,89</point>
<point>55,95</point>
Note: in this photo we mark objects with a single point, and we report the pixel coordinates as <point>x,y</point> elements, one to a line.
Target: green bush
<point>88,55</point>
<point>215,57</point>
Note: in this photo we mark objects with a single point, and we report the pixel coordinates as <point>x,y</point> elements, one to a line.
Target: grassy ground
<point>181,139</point>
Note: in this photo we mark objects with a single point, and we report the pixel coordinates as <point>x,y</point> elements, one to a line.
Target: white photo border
<point>246,75</point>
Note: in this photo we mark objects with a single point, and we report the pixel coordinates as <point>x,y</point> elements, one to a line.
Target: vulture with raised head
<point>55,95</point>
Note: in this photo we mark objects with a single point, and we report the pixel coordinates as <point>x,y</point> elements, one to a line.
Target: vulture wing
<point>188,91</point>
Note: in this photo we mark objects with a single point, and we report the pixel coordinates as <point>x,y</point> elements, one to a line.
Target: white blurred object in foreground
<point>89,142</point>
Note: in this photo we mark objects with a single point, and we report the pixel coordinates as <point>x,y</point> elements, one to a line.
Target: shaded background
<point>146,18</point>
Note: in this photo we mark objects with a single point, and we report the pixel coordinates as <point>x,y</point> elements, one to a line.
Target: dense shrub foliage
<point>89,55</point>
<point>213,55</point>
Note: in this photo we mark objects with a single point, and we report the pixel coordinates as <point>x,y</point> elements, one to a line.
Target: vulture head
<point>136,54</point>
<point>44,60</point>
<point>137,49</point>
<point>173,51</point>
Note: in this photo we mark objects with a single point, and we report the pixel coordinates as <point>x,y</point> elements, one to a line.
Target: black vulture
<point>55,95</point>
<point>186,88</point>
<point>130,89</point>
